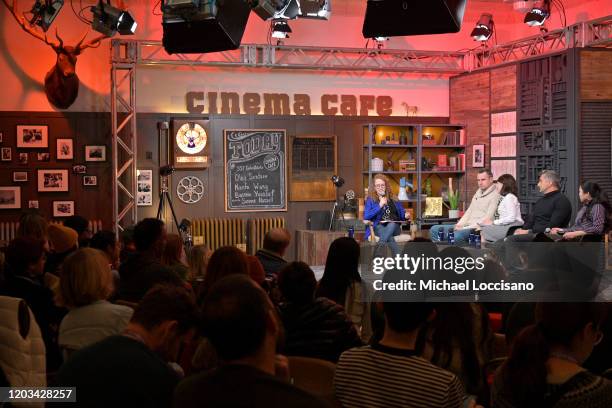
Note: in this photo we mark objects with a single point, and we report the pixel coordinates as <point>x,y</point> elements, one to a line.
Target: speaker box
<point>318,220</point>
<point>223,32</point>
<point>390,18</point>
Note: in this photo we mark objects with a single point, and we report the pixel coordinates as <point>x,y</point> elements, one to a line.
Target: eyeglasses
<point>380,185</point>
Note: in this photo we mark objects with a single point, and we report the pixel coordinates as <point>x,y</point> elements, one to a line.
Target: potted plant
<point>453,204</point>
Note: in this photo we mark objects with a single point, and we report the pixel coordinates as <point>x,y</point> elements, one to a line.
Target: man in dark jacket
<point>143,269</point>
<point>318,328</point>
<point>275,245</point>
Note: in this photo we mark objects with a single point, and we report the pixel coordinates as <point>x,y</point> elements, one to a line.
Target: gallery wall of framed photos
<point>57,162</point>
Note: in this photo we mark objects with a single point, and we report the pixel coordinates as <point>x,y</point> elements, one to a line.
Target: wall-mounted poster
<point>190,144</point>
<point>32,136</point>
<point>145,187</point>
<point>478,155</point>
<point>312,163</point>
<point>255,170</point>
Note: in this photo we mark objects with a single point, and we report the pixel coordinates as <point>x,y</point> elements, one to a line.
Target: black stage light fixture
<point>538,14</point>
<point>44,12</point>
<point>315,9</point>
<point>280,29</point>
<point>392,18</point>
<point>484,28</point>
<point>199,26</point>
<point>337,180</point>
<point>109,20</point>
<point>276,9</point>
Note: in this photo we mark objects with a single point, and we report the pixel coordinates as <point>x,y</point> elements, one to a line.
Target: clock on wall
<point>190,144</point>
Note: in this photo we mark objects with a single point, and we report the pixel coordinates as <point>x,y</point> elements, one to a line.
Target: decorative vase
<point>453,213</point>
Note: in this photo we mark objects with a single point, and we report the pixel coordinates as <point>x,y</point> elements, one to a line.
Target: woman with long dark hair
<point>544,366</point>
<point>508,213</point>
<point>593,218</point>
<point>341,283</point>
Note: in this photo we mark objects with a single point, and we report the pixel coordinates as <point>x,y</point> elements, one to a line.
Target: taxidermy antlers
<point>61,82</point>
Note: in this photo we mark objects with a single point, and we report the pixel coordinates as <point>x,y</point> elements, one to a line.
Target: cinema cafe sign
<point>229,103</point>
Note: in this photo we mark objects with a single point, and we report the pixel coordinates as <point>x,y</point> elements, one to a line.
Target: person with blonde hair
<point>384,211</point>
<point>198,261</point>
<point>86,282</point>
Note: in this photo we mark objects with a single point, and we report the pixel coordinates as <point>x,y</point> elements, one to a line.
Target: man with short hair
<point>390,373</point>
<point>143,269</point>
<point>554,210</point>
<point>81,226</point>
<point>241,324</point>
<point>276,242</point>
<point>132,369</point>
<point>483,206</point>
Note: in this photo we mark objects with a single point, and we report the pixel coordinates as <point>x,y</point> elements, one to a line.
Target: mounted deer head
<point>61,82</point>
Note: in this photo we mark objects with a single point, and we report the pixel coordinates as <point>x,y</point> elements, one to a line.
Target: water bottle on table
<point>441,235</point>
<point>451,237</point>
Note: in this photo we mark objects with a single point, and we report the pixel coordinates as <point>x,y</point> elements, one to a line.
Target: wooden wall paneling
<point>595,78</point>
<point>503,88</point>
<point>470,106</point>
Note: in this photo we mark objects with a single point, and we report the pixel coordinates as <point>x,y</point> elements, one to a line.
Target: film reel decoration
<point>190,189</point>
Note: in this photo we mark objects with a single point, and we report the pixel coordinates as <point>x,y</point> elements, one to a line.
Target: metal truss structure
<point>124,142</point>
<point>593,33</point>
<point>126,55</point>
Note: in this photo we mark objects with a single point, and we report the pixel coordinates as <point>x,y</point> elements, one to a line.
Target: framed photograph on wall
<point>10,197</point>
<point>20,176</point>
<point>33,204</point>
<point>51,180</point>
<point>63,208</point>
<point>145,187</point>
<point>478,155</point>
<point>43,157</point>
<point>79,169</point>
<point>90,180</point>
<point>7,154</point>
<point>1,137</point>
<point>64,149</point>
<point>23,158</point>
<point>32,136</point>
<point>95,153</point>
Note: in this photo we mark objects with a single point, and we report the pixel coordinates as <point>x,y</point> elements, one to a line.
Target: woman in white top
<point>86,282</point>
<point>508,213</point>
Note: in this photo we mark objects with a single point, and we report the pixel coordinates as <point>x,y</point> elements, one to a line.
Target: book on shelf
<point>461,161</point>
<point>442,160</point>
<point>453,138</point>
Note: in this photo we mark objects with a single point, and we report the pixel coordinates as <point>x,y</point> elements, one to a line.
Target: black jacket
<point>272,263</point>
<point>552,210</point>
<point>139,273</point>
<point>319,329</point>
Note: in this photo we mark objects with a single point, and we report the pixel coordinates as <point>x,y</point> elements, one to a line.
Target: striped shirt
<point>379,376</point>
<point>592,223</point>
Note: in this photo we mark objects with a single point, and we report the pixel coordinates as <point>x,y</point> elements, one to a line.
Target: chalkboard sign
<point>255,170</point>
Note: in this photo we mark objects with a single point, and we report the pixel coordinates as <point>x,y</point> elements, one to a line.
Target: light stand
<point>338,182</point>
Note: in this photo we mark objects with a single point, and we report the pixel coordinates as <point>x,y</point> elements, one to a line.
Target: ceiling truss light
<point>315,9</point>
<point>109,20</point>
<point>484,28</point>
<point>281,29</point>
<point>276,9</point>
<point>44,12</point>
<point>538,14</point>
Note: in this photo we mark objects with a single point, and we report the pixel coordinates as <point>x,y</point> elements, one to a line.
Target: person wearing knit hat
<point>63,241</point>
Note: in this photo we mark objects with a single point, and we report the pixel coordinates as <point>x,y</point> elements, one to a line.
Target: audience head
<point>26,256</point>
<point>549,181</point>
<point>341,269</point>
<point>407,317</point>
<point>173,251</point>
<point>32,225</point>
<point>239,319</point>
<point>127,239</point>
<point>106,241</point>
<point>168,314</point>
<point>62,239</point>
<point>277,240</point>
<point>225,261</point>
<point>256,269</point>
<point>484,179</point>
<point>85,278</point>
<point>198,261</point>
<point>297,283</point>
<point>81,226</point>
<point>506,184</point>
<point>572,329</point>
<point>380,187</point>
<point>150,236</point>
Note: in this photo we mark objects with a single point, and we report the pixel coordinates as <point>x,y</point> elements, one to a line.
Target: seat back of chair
<point>313,375</point>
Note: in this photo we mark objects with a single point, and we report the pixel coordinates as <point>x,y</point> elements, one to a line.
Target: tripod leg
<point>333,216</point>
<point>176,224</point>
<point>160,207</point>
